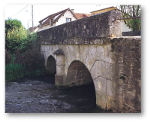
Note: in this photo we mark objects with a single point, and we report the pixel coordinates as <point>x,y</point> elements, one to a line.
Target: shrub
<point>30,63</point>
<point>34,62</point>
<point>11,24</point>
<point>15,38</point>
<point>14,71</point>
<point>8,56</point>
<point>24,52</point>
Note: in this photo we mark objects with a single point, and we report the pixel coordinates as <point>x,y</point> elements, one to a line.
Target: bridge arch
<point>51,65</point>
<point>78,74</point>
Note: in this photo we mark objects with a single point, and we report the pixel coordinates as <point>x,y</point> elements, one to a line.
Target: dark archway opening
<point>80,79</point>
<point>51,66</point>
<point>78,74</point>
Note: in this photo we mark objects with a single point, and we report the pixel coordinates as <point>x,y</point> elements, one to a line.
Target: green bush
<point>28,64</point>
<point>8,56</point>
<point>34,62</point>
<point>15,38</point>
<point>11,24</point>
<point>18,38</point>
<point>22,52</point>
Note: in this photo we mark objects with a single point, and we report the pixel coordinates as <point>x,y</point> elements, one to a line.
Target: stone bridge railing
<point>102,25</point>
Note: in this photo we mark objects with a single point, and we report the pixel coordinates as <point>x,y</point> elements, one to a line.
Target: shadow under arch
<point>78,74</point>
<point>51,66</point>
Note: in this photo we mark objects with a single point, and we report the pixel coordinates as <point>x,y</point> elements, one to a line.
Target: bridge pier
<point>60,68</point>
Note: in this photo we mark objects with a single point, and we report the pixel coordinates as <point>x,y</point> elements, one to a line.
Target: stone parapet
<point>102,25</point>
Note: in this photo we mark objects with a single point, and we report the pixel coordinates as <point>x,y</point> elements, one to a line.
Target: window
<point>68,20</point>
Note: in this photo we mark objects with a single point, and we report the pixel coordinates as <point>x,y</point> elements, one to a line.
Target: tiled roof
<point>81,15</point>
<point>55,17</point>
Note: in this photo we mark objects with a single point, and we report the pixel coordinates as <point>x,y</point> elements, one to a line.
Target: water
<point>39,95</point>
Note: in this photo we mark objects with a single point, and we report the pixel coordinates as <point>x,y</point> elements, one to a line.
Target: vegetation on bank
<point>22,52</point>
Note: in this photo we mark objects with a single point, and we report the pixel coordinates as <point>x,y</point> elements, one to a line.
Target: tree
<point>17,37</point>
<point>132,11</point>
<point>12,24</point>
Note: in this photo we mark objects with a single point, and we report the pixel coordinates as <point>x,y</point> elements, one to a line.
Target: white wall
<point>125,28</point>
<point>62,19</point>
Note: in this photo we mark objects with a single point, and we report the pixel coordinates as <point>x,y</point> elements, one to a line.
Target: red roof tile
<point>81,15</point>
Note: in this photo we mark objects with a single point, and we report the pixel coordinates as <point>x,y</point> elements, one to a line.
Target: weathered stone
<point>100,25</point>
<point>129,97</point>
<point>59,52</point>
<point>112,104</point>
<point>58,81</point>
<point>100,85</point>
<point>101,100</point>
<point>100,53</point>
<point>98,69</point>
<point>110,88</point>
<point>91,57</point>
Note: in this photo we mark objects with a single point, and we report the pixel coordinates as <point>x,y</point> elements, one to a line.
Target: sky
<point>23,12</point>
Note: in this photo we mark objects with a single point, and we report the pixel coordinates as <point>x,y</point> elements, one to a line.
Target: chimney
<point>72,10</point>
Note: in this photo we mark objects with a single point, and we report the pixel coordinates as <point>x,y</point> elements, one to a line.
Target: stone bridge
<point>92,50</point>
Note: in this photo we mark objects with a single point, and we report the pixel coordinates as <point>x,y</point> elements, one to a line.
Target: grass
<point>14,71</point>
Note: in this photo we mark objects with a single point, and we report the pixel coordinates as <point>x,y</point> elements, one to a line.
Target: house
<point>59,18</point>
<point>125,28</point>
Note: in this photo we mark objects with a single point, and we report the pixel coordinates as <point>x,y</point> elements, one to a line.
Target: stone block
<point>136,73</point>
<point>100,85</point>
<point>102,69</point>
<point>107,53</point>
<point>91,57</point>
<point>119,91</point>
<point>127,109</point>
<point>60,70</point>
<point>100,53</point>
<point>111,88</point>
<point>58,80</point>
<point>109,71</point>
<point>101,100</point>
<point>129,97</point>
<point>112,104</point>
<point>98,70</point>
<point>135,64</point>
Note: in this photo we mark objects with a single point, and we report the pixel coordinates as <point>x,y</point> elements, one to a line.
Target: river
<point>39,95</point>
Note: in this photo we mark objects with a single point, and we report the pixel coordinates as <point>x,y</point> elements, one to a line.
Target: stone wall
<point>127,54</point>
<point>102,25</point>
